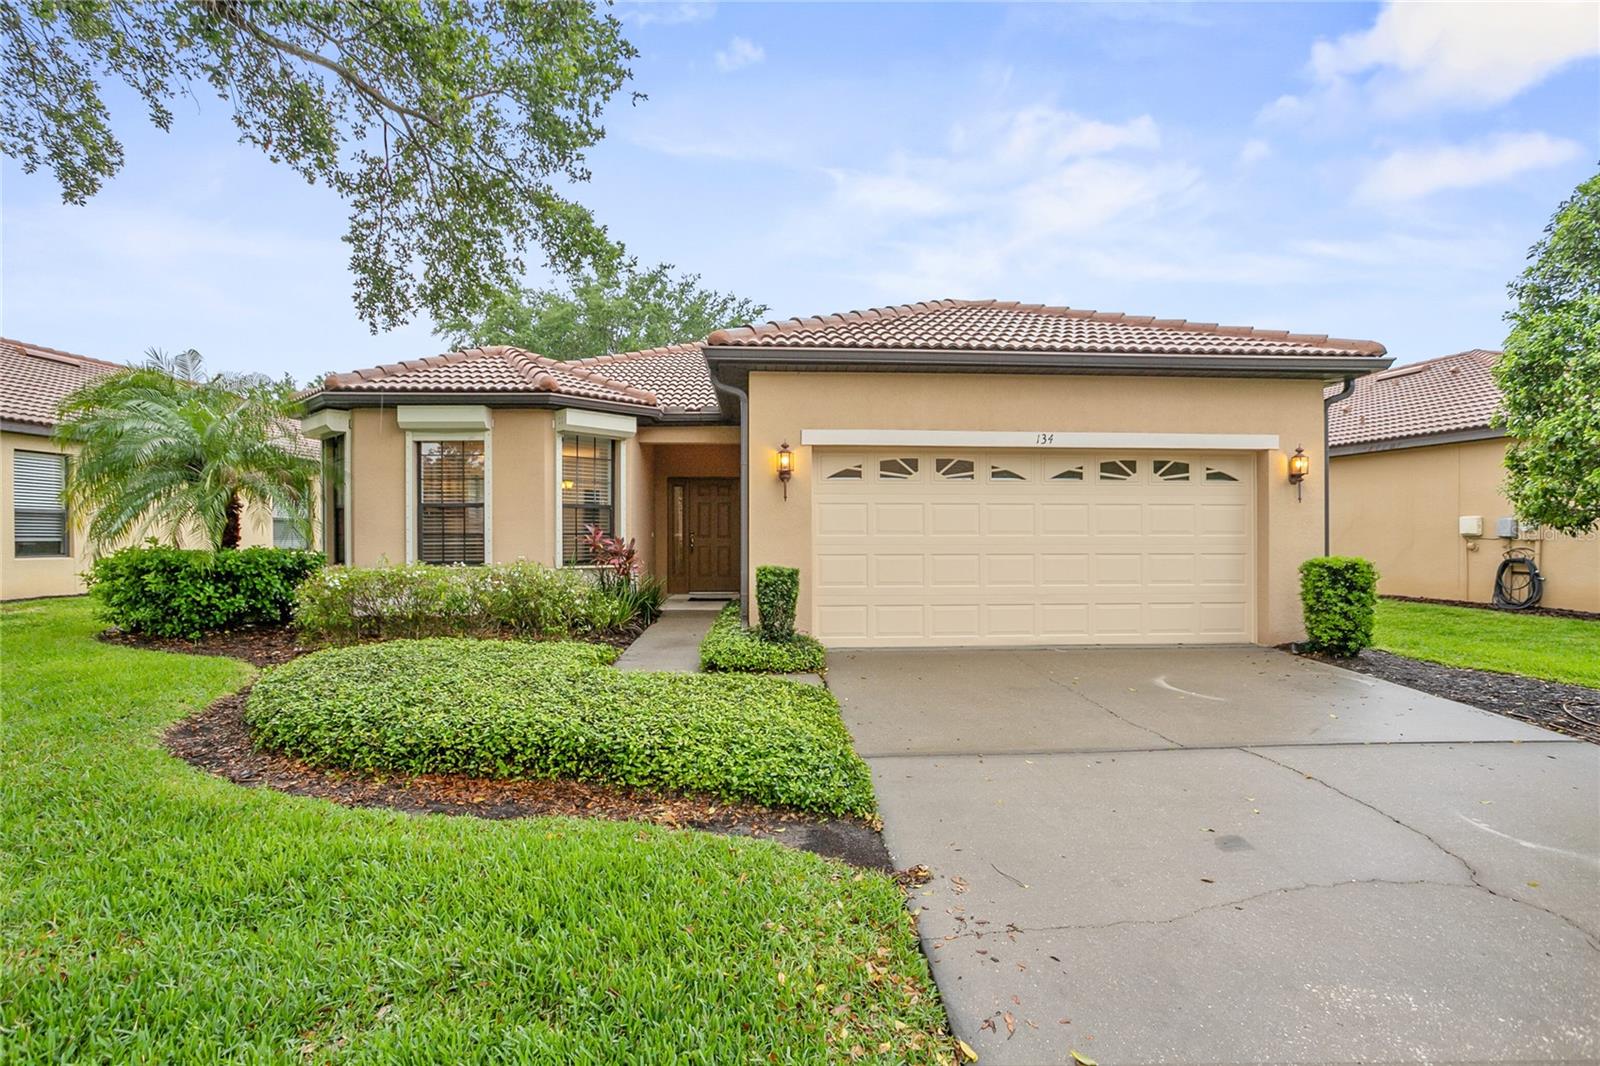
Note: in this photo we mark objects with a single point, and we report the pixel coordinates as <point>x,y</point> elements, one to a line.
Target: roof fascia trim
<point>1455,436</point>
<point>747,358</point>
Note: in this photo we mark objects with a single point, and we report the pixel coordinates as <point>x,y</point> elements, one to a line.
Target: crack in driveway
<point>1091,700</point>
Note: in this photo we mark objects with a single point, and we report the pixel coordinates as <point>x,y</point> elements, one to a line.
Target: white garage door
<point>968,547</point>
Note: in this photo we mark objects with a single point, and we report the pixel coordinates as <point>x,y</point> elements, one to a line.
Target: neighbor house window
<point>450,501</point>
<point>588,493</point>
<point>287,530</point>
<point>41,517</point>
<point>333,506</point>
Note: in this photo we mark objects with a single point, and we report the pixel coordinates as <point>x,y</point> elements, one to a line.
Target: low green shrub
<point>520,599</point>
<point>729,646</point>
<point>178,592</point>
<point>557,710</point>
<point>777,590</point>
<point>1340,596</point>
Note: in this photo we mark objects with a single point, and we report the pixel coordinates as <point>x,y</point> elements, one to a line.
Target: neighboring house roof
<point>36,380</point>
<point>1001,326</point>
<point>496,369</point>
<point>1450,394</point>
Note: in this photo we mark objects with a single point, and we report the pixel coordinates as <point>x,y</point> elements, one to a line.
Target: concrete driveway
<point>1233,855</point>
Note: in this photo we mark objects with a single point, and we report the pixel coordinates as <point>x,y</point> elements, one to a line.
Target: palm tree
<point>163,447</point>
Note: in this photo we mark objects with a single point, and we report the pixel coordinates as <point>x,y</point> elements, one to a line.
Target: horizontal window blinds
<point>450,494</point>
<point>41,517</point>
<point>588,493</point>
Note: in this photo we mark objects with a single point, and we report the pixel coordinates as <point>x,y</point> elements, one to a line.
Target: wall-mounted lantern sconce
<point>1299,467</point>
<point>785,467</point>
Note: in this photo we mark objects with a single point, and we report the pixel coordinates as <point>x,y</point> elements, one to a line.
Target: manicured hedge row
<point>518,710</point>
<point>729,646</point>
<point>519,599</point>
<point>1340,596</point>
<point>176,592</point>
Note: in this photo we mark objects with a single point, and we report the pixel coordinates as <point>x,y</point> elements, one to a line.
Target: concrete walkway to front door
<point>672,643</point>
<point>1209,855</point>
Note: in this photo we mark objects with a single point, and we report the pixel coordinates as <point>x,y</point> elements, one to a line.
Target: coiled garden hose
<point>1518,585</point>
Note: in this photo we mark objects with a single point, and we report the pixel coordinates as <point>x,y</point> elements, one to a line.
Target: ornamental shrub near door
<point>777,590</point>
<point>1340,596</point>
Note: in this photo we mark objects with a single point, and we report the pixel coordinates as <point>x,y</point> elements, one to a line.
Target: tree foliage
<point>163,448</point>
<point>446,125</point>
<point>621,310</point>
<point>1550,374</point>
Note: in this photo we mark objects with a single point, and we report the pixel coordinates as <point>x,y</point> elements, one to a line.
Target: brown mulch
<point>218,741</point>
<point>1548,612</point>
<point>1570,709</point>
<point>271,645</point>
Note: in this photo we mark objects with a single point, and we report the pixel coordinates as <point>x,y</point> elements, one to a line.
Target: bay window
<point>450,499</point>
<point>588,493</point>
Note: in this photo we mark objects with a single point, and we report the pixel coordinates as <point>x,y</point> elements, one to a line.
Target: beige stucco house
<point>1417,473</point>
<point>44,550</point>
<point>960,472</point>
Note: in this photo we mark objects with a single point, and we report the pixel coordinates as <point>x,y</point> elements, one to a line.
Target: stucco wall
<point>1401,509</point>
<point>27,578</point>
<point>1288,532</point>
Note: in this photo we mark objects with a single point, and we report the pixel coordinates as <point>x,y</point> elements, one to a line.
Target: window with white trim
<point>450,498</point>
<point>588,493</point>
<point>288,531</point>
<point>40,515</point>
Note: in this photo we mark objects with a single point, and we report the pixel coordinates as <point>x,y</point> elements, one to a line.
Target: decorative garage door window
<point>1215,474</point>
<point>1071,473</point>
<point>955,469</point>
<point>897,469</point>
<point>1004,473</point>
<point>1172,470</point>
<point>1119,469</point>
<point>852,472</point>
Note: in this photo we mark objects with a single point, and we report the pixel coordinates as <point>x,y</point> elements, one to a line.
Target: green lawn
<point>150,912</point>
<point>1555,649</point>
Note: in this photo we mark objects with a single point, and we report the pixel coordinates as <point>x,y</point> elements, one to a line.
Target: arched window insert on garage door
<point>897,469</point>
<point>1119,469</point>
<point>1171,470</point>
<point>955,469</point>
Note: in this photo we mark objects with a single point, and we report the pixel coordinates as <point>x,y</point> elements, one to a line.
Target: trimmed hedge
<point>556,710</point>
<point>1340,596</point>
<point>729,646</point>
<point>522,599</point>
<point>180,592</point>
<point>777,592</point>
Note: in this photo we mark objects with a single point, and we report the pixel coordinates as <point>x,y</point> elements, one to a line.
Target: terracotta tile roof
<point>500,368</point>
<point>34,380</point>
<point>1452,392</point>
<point>999,326</point>
<point>676,374</point>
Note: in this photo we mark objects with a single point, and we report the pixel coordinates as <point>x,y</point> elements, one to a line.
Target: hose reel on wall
<point>1518,585</point>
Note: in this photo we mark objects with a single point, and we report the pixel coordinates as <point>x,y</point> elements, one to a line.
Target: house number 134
<point>1045,438</point>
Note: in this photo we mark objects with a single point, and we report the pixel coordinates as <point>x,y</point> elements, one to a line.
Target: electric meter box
<point>1507,528</point>
<point>1472,525</point>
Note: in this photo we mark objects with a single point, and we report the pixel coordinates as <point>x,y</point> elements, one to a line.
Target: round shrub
<point>505,709</point>
<point>1340,596</point>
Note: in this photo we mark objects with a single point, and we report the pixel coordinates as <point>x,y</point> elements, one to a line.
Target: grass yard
<point>1542,646</point>
<point>149,912</point>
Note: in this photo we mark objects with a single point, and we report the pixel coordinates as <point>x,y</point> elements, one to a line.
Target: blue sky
<point>1360,170</point>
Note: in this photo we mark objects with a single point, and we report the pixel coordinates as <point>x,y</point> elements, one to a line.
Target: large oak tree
<point>450,127</point>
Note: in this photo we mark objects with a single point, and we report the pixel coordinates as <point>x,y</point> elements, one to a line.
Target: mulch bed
<point>1548,612</point>
<point>218,741</point>
<point>1570,709</point>
<point>271,645</point>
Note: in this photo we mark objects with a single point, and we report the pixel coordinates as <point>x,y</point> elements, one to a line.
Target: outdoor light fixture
<point>1299,467</point>
<point>785,467</point>
<point>566,484</point>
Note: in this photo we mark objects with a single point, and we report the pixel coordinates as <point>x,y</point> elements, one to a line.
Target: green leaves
<point>161,448</point>
<point>619,310</point>
<point>447,127</point>
<point>170,592</point>
<point>1550,374</point>
<point>729,646</point>
<point>508,709</point>
<point>1340,595</point>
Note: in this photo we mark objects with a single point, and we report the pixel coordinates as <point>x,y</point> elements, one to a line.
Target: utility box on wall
<point>1472,525</point>
<point>1506,528</point>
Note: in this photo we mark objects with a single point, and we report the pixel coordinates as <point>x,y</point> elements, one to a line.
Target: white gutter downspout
<point>744,494</point>
<point>1327,464</point>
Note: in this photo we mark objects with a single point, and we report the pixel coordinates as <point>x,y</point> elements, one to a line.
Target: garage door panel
<point>1031,548</point>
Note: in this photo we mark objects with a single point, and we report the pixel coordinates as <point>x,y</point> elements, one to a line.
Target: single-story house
<point>1417,472</point>
<point>44,550</point>
<point>955,472</point>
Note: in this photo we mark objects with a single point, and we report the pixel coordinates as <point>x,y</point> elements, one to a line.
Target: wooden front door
<point>710,552</point>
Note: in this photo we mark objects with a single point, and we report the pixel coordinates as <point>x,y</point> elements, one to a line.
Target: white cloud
<point>1418,56</point>
<point>649,13</point>
<point>1413,173</point>
<point>1254,151</point>
<point>741,52</point>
